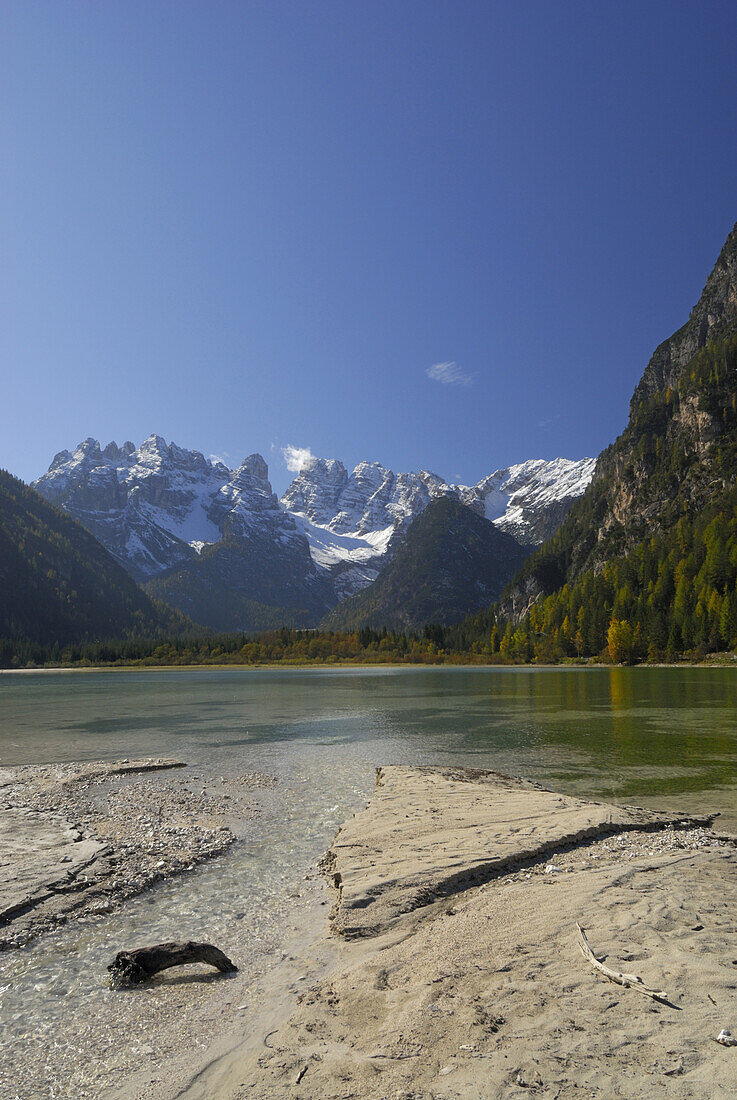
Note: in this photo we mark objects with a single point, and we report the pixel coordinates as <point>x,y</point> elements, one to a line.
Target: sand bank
<point>458,973</point>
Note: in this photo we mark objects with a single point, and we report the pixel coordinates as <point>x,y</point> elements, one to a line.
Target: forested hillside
<point>646,562</point>
<point>451,563</point>
<point>58,584</point>
<point>248,583</point>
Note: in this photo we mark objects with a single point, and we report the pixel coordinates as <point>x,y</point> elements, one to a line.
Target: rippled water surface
<point>657,736</point>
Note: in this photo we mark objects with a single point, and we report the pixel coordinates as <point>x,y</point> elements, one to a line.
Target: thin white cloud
<point>449,374</point>
<point>296,458</point>
<point>224,458</point>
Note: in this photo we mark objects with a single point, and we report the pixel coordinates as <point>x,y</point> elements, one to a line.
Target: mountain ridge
<point>212,541</point>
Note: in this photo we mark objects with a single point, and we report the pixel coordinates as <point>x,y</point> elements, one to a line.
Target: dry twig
<point>629,981</point>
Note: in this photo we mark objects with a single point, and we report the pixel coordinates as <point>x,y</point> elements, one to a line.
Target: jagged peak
<point>60,458</point>
<point>364,466</point>
<point>155,443</point>
<point>256,466</point>
<point>90,445</point>
<point>429,475</point>
<point>153,454</point>
<point>329,466</point>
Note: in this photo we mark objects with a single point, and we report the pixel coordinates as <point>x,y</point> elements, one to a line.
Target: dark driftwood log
<point>131,967</point>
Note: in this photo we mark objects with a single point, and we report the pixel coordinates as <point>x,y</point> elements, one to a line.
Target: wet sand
<point>458,973</point>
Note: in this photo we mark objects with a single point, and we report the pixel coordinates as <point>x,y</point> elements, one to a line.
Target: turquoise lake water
<point>620,732</point>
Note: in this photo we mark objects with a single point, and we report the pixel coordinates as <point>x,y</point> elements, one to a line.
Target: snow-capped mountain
<point>530,500</point>
<point>161,510</point>
<point>158,505</point>
<point>353,522</point>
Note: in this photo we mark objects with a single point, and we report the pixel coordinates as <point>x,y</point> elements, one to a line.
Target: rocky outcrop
<point>714,313</point>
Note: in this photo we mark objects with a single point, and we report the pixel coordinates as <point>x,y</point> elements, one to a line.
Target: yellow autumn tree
<point>620,641</point>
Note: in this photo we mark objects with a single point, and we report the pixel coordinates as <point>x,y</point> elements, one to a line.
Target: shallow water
<point>661,736</point>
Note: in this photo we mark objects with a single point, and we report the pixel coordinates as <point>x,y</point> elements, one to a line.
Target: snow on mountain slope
<point>159,506</point>
<point>530,499</point>
<point>359,518</point>
<point>353,561</point>
<point>328,548</point>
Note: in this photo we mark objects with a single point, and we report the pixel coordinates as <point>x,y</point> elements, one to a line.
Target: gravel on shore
<point>81,838</point>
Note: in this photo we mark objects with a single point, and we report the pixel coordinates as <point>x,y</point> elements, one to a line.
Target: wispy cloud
<point>449,374</point>
<point>296,458</point>
<point>224,458</point>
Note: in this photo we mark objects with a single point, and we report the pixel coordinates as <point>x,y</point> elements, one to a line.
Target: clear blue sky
<point>252,224</point>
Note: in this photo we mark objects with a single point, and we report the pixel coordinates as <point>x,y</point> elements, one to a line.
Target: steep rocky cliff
<point>677,455</point>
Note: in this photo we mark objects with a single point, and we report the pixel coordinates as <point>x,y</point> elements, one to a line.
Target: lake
<point>654,736</point>
<point>618,732</point>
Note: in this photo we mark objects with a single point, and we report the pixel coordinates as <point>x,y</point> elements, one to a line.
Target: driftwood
<point>629,981</point>
<point>132,967</point>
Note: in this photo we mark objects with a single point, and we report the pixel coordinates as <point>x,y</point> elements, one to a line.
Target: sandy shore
<point>449,967</point>
<point>78,839</point>
<point>458,973</point>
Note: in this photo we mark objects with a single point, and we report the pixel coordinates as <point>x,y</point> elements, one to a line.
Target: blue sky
<point>253,225</point>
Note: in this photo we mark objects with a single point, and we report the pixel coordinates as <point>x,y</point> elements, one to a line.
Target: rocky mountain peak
<point>150,506</point>
<point>315,490</point>
<point>249,486</point>
<point>116,453</point>
<point>713,314</point>
<point>160,505</point>
<point>529,499</point>
<point>59,459</point>
<point>255,467</point>
<point>154,447</point>
<point>88,447</point>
